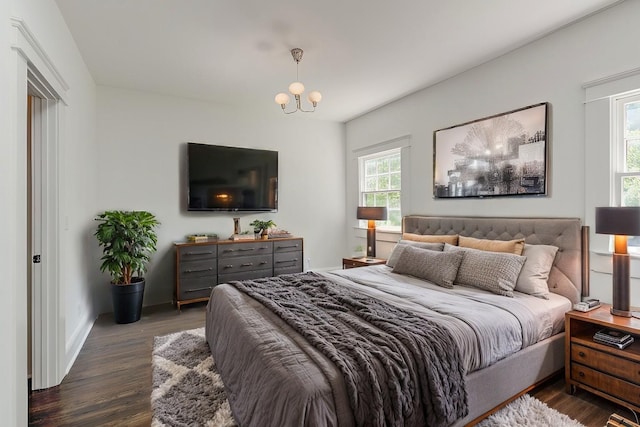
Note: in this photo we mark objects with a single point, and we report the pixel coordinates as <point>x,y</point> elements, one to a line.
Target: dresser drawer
<point>243,275</point>
<point>614,365</point>
<point>287,262</point>
<point>287,246</point>
<point>199,287</point>
<point>201,268</point>
<point>245,263</point>
<point>610,385</point>
<point>245,249</point>
<point>197,253</point>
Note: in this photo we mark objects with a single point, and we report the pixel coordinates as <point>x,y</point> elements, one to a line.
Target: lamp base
<point>624,313</point>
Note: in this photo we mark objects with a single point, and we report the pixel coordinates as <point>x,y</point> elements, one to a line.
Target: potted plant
<point>262,227</point>
<point>128,239</point>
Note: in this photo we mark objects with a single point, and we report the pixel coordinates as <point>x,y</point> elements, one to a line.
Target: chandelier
<point>297,88</point>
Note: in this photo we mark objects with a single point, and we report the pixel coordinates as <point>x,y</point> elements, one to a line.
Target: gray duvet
<point>399,368</point>
<point>275,377</point>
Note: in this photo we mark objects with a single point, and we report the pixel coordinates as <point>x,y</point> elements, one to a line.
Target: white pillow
<point>535,271</point>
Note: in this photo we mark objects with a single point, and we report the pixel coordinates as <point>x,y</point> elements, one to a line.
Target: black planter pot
<point>127,300</point>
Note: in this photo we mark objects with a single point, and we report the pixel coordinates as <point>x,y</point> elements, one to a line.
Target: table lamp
<point>621,222</point>
<point>372,214</point>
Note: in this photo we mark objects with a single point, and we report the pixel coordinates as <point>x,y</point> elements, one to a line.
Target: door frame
<point>37,75</point>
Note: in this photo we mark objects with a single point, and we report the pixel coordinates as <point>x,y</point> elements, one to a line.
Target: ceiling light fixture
<point>297,88</point>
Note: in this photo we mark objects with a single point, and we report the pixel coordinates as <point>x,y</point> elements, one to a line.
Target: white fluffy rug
<point>528,411</point>
<point>187,390</point>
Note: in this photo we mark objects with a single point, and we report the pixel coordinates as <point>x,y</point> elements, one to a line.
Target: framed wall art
<point>501,155</point>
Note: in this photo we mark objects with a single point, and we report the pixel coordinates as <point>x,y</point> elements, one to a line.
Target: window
<point>626,125</point>
<point>380,184</point>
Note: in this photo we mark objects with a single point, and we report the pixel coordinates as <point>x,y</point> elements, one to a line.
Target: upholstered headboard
<point>569,275</point>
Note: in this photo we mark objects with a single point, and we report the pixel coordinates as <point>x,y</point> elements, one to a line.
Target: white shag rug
<point>528,411</point>
<point>187,390</point>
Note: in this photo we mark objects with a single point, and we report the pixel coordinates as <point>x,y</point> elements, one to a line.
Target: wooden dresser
<point>201,266</point>
<point>601,369</point>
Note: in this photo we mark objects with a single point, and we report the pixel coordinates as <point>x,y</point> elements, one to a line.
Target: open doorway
<point>45,330</point>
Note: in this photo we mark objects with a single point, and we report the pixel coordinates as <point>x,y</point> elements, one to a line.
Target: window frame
<point>387,153</point>
<point>619,152</point>
<point>619,145</point>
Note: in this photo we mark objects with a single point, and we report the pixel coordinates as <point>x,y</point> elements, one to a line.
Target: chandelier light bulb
<point>282,99</point>
<point>314,97</point>
<point>296,88</point>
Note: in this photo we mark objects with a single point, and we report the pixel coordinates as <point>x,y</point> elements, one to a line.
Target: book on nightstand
<point>613,338</point>
<point>616,420</point>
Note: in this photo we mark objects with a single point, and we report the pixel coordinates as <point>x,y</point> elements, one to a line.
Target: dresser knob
<point>581,354</point>
<point>581,374</point>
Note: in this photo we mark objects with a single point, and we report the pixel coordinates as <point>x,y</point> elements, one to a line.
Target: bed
<point>276,374</point>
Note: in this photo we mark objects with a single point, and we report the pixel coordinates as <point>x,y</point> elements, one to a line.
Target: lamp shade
<point>621,221</point>
<point>372,213</point>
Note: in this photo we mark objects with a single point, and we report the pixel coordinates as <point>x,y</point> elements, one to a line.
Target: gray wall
<point>552,69</point>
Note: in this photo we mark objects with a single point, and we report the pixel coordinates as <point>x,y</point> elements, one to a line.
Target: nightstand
<point>361,262</point>
<point>600,369</point>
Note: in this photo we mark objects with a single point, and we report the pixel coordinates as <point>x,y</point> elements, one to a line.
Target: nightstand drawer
<point>607,384</point>
<point>605,362</point>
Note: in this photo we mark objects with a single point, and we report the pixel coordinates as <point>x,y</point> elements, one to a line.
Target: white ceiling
<point>360,54</point>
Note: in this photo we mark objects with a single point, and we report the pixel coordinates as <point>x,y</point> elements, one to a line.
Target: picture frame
<point>501,155</point>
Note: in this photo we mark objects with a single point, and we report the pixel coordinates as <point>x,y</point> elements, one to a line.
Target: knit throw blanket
<point>399,368</point>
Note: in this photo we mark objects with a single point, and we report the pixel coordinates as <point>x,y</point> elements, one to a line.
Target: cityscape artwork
<point>502,155</point>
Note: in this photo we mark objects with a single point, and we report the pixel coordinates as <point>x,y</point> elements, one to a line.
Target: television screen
<point>231,179</point>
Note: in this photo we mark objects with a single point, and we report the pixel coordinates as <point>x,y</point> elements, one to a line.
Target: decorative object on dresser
<point>621,222</point>
<point>128,239</point>
<point>201,266</point>
<point>603,369</point>
<point>372,214</point>
<point>262,227</point>
<point>202,237</point>
<point>361,262</point>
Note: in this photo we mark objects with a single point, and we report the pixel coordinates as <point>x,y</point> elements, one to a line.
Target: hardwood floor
<point>110,382</point>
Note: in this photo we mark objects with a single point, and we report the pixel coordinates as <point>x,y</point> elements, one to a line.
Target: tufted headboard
<point>570,273</point>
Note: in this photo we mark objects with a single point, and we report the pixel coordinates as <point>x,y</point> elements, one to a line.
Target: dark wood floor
<point>110,382</point>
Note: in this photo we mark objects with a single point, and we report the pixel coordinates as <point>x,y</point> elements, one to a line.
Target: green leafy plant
<point>128,239</point>
<point>263,226</point>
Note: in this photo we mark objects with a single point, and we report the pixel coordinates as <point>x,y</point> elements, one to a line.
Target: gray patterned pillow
<point>436,267</point>
<point>395,254</point>
<point>492,271</point>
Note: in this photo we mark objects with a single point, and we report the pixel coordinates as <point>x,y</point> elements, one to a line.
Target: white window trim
<point>361,181</point>
<point>599,180</point>
<point>618,149</point>
<point>404,144</point>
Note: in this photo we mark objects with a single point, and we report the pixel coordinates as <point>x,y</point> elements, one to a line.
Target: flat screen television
<point>231,179</point>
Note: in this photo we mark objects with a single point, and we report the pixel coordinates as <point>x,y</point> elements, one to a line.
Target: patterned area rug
<point>187,390</point>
